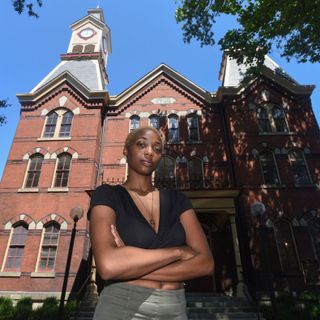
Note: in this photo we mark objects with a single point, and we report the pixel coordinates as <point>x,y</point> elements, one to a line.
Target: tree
<point>3,104</point>
<point>20,5</point>
<point>293,26</point>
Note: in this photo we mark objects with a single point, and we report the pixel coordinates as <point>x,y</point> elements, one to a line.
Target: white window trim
<point>38,272</point>
<point>202,169</point>
<point>198,133</point>
<point>268,107</point>
<point>59,189</point>
<point>307,167</point>
<point>276,165</point>
<point>172,115</point>
<point>24,188</point>
<point>60,112</point>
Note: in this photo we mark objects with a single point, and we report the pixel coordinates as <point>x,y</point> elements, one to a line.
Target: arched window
<point>49,246</point>
<point>173,127</point>
<point>58,124</point>
<point>50,126</point>
<point>62,171</point>
<point>134,122</point>
<point>193,127</point>
<point>16,248</point>
<point>286,247</point>
<point>195,172</point>
<point>165,173</point>
<point>279,119</point>
<point>269,168</point>
<point>66,122</point>
<point>154,121</point>
<point>299,167</point>
<point>263,120</point>
<point>34,170</point>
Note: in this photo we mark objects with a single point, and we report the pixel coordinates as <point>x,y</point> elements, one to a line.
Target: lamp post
<point>76,214</point>
<point>258,209</point>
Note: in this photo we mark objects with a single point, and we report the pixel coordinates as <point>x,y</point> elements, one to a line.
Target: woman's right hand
<point>187,253</point>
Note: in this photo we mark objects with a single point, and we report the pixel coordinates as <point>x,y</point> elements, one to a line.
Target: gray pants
<point>123,301</point>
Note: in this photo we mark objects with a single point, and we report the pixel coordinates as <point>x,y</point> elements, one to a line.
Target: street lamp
<point>76,214</point>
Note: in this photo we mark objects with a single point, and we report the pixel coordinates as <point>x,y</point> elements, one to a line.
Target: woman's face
<point>144,152</point>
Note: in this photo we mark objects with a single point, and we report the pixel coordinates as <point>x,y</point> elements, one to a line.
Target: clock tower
<point>87,54</point>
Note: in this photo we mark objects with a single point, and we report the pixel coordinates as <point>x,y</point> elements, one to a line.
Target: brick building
<point>246,155</point>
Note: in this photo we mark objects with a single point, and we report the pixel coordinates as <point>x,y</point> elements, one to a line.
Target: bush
<point>48,311</point>
<point>6,309</point>
<point>69,308</point>
<point>23,309</point>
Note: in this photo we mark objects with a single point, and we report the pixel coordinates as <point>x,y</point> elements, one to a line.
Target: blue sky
<point>143,34</point>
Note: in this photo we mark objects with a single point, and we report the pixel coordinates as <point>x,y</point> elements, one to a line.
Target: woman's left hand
<point>116,236</point>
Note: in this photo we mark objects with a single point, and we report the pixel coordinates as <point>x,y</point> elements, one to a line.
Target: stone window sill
<point>276,133</point>
<point>10,274</point>
<point>54,139</point>
<point>43,274</point>
<point>273,186</point>
<point>65,189</point>
<point>28,190</point>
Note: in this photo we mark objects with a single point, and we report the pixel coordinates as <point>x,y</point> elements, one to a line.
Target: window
<point>89,48</point>
<point>269,168</point>
<point>263,120</point>
<point>299,167</point>
<point>58,124</point>
<point>62,171</point>
<point>66,124</point>
<point>16,248</point>
<point>134,123</point>
<point>173,128</point>
<point>154,121</point>
<point>279,120</point>
<point>49,247</point>
<point>193,127</point>
<point>195,173</point>
<point>271,119</point>
<point>34,171</point>
<point>286,246</point>
<point>50,125</point>
<point>165,173</point>
<point>77,49</point>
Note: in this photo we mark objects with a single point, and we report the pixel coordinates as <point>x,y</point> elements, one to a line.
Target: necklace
<point>151,219</point>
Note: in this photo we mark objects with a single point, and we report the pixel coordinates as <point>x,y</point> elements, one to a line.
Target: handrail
<point>83,285</point>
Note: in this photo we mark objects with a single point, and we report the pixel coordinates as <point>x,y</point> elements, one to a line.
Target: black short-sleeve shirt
<point>133,228</point>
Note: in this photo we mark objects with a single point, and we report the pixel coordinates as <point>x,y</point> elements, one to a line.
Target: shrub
<point>48,311</point>
<point>69,308</point>
<point>6,309</point>
<point>23,309</point>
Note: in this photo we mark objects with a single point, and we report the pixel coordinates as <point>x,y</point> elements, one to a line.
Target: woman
<point>145,241</point>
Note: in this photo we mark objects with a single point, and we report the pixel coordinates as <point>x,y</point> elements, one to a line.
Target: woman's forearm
<point>197,266</point>
<point>131,262</point>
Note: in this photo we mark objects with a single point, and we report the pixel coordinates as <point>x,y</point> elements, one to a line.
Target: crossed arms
<point>115,260</point>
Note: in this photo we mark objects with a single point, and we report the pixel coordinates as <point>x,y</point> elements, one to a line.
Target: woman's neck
<point>140,184</point>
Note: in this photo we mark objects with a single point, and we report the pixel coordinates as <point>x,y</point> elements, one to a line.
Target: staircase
<point>205,306</point>
<point>200,306</point>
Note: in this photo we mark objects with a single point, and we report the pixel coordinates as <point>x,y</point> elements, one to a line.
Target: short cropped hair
<point>131,136</point>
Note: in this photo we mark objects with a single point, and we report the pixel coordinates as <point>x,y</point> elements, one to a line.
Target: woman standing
<point>145,241</point>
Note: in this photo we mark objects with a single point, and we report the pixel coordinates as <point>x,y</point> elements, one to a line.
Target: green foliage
<point>292,26</point>
<point>20,6</point>
<point>48,311</point>
<point>289,308</point>
<point>3,104</point>
<point>23,309</point>
<point>6,309</point>
<point>69,308</point>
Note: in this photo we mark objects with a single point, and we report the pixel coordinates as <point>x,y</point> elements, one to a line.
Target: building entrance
<point>218,231</point>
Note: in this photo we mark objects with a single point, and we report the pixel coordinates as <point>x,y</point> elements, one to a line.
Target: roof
<point>85,71</point>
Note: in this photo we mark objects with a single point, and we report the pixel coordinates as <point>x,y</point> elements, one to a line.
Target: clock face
<point>87,33</point>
